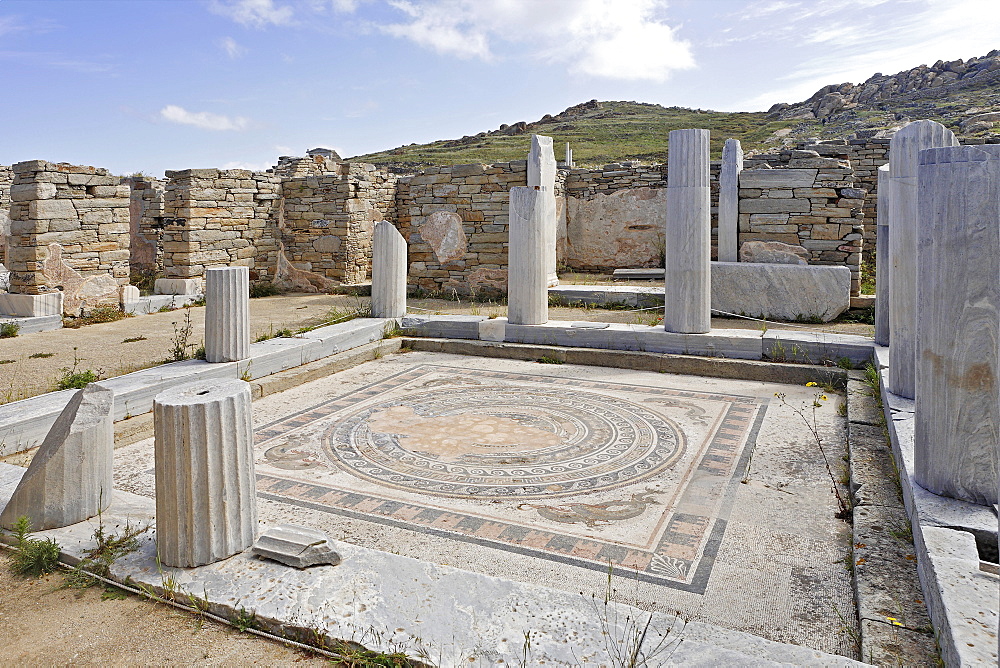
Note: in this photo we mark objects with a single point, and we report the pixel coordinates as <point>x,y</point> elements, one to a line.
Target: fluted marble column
<point>527,275</point>
<point>729,200</point>
<point>956,416</point>
<point>905,225</point>
<point>542,172</point>
<point>206,493</point>
<point>388,272</point>
<point>227,314</point>
<point>883,262</point>
<point>69,479</point>
<point>688,238</point>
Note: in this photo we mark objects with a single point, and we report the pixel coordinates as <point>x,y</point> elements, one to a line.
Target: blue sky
<point>149,85</point>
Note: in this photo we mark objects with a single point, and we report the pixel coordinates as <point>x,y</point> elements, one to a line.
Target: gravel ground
<point>43,623</point>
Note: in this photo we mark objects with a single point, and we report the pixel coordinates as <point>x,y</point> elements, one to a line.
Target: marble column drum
<point>688,238</point>
<point>956,416</point>
<point>904,223</point>
<point>527,274</point>
<point>227,314</point>
<point>883,262</point>
<point>729,200</point>
<point>542,172</point>
<point>206,492</point>
<point>388,272</point>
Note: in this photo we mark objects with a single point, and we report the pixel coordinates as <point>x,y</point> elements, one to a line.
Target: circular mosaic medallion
<point>504,442</point>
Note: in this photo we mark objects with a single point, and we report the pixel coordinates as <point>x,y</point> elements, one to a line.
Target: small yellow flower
<point>810,384</point>
<point>822,397</point>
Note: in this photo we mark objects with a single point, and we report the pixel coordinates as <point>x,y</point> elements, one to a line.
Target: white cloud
<point>202,119</point>
<point>895,37</point>
<point>253,13</point>
<point>231,47</point>
<point>252,166</point>
<point>600,38</point>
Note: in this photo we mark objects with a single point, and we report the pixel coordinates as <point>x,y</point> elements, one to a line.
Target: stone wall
<point>146,224</point>
<point>218,217</point>
<point>6,178</point>
<point>455,221</point>
<point>867,155</point>
<point>69,231</point>
<point>813,203</point>
<point>328,219</point>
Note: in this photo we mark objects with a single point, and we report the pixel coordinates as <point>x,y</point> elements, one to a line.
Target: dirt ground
<point>42,623</point>
<point>115,348</point>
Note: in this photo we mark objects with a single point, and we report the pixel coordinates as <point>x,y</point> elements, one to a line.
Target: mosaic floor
<point>554,474</point>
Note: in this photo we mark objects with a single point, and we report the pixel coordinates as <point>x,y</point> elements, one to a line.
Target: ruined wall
<point>146,224</point>
<point>328,218</point>
<point>216,217</point>
<point>867,155</point>
<point>455,220</point>
<point>812,204</point>
<point>6,178</point>
<point>615,216</point>
<point>69,231</point>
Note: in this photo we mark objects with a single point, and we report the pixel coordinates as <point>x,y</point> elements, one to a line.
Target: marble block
<point>781,291</point>
<point>542,173</point>
<point>177,286</point>
<point>905,224</point>
<point>956,412</point>
<point>883,262</point>
<point>129,294</point>
<point>31,306</point>
<point>527,275</point>
<point>729,200</point>
<point>295,546</point>
<point>688,235</point>
<point>69,479</point>
<point>388,272</point>
<point>227,314</point>
<point>206,493</point>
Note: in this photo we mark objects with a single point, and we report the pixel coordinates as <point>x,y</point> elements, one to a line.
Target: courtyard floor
<point>701,496</point>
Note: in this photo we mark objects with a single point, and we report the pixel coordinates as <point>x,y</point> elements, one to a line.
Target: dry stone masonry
<point>307,224</point>
<point>69,233</point>
<point>219,217</point>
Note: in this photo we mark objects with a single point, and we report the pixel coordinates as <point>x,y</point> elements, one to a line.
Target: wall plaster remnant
<point>619,229</point>
<point>442,230</point>
<point>206,492</point>
<point>70,477</point>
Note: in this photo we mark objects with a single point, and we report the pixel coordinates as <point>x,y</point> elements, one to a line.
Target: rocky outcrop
<point>878,88</point>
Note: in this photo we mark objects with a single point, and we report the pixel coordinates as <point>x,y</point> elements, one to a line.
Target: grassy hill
<point>604,132</point>
<point>598,132</point>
